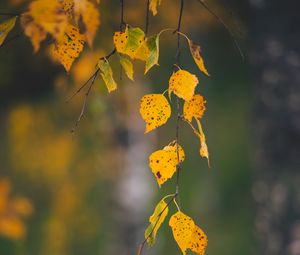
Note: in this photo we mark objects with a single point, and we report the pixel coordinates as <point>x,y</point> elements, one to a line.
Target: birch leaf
<point>90,17</point>
<point>187,234</point>
<point>132,43</point>
<point>107,75</point>
<point>203,146</point>
<point>127,66</point>
<point>163,162</point>
<point>156,219</point>
<point>153,52</point>
<point>155,111</point>
<point>153,6</point>
<point>183,84</point>
<point>6,27</point>
<point>194,108</point>
<point>195,51</point>
<point>50,16</point>
<point>68,48</point>
<point>34,31</point>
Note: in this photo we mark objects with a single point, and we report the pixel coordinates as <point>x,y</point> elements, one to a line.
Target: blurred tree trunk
<point>275,61</point>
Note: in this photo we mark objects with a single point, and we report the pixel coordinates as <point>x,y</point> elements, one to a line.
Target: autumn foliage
<point>73,24</point>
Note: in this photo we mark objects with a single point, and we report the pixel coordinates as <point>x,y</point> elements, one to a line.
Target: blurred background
<point>92,192</point>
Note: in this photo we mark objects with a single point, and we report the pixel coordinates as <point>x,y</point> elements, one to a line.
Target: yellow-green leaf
<point>203,146</point>
<point>6,27</point>
<point>163,162</point>
<point>153,52</point>
<point>155,110</point>
<point>195,51</point>
<point>183,84</point>
<point>67,48</point>
<point>194,108</point>
<point>132,43</point>
<point>156,219</point>
<point>187,234</point>
<point>107,75</point>
<point>127,66</point>
<point>153,6</point>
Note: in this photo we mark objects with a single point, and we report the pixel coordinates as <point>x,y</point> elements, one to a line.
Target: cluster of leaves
<point>59,19</point>
<point>13,211</point>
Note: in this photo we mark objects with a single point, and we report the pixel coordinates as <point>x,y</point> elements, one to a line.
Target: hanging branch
<point>177,101</point>
<point>82,112</point>
<point>147,17</point>
<point>92,79</point>
<point>204,4</point>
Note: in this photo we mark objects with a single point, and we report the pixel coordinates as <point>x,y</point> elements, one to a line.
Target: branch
<point>147,17</point>
<point>225,26</point>
<point>84,103</point>
<point>177,101</point>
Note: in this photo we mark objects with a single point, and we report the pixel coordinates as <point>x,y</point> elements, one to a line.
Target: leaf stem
<point>204,4</point>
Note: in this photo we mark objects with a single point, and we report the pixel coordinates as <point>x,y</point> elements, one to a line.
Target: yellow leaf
<point>90,17</point>
<point>132,43</point>
<point>203,146</point>
<point>33,30</point>
<point>198,241</point>
<point>127,66</point>
<point>183,84</point>
<point>195,51</point>
<point>68,6</point>
<point>155,111</point>
<point>107,75</point>
<point>156,219</point>
<point>194,108</point>
<point>187,234</point>
<point>68,48</point>
<point>50,16</point>
<point>163,162</point>
<point>6,27</point>
<point>153,6</point>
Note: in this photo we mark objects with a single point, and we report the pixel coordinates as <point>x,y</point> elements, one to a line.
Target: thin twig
<point>147,17</point>
<point>177,102</point>
<point>224,25</point>
<point>92,76</point>
<point>82,112</point>
<point>81,87</point>
<point>122,22</point>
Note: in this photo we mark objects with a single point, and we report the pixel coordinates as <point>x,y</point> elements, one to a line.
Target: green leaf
<point>156,219</point>
<point>153,52</point>
<point>127,66</point>
<point>6,27</point>
<point>107,75</point>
